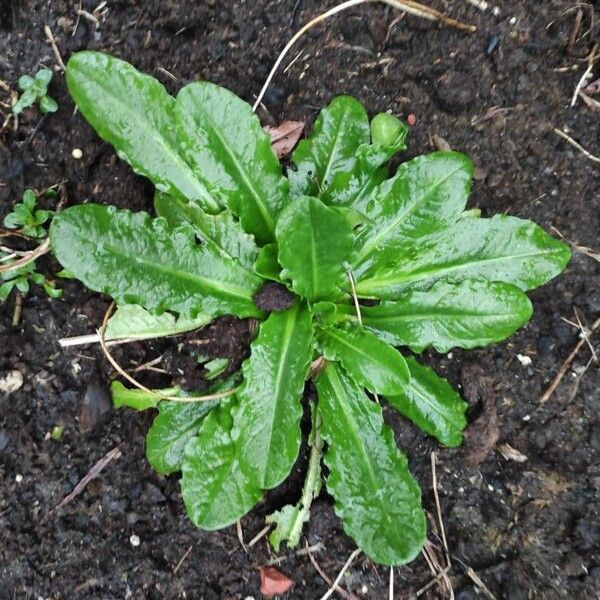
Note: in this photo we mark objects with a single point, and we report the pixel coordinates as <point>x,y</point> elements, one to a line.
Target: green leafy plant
<point>30,223</point>
<point>35,89</point>
<point>369,263</point>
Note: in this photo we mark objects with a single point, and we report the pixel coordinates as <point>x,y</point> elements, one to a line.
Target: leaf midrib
<point>333,151</point>
<point>266,216</point>
<point>219,286</point>
<point>373,241</point>
<point>343,406</point>
<point>161,139</point>
<point>285,349</point>
<point>375,283</point>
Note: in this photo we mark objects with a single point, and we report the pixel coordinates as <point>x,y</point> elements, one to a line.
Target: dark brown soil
<point>528,529</point>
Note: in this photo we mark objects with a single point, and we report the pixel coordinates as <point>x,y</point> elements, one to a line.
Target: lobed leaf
<point>222,229</point>
<point>469,314</point>
<point>216,490</point>
<point>314,242</point>
<point>174,426</point>
<point>426,193</point>
<point>502,248</point>
<point>432,404</point>
<point>135,114</point>
<point>139,260</point>
<point>368,360</point>
<point>375,495</point>
<point>269,419</point>
<point>228,149</point>
<point>133,321</point>
<point>136,398</point>
<point>339,130</point>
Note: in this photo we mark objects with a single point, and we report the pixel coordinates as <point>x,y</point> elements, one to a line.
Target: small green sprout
<point>35,88</point>
<point>29,222</point>
<point>27,219</point>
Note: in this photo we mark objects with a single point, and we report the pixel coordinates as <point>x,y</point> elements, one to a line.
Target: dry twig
<point>52,42</point>
<point>182,559</point>
<point>565,366</point>
<point>333,586</point>
<point>91,475</point>
<point>28,258</point>
<point>579,147</point>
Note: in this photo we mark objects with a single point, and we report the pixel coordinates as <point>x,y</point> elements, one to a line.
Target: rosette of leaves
<point>372,262</point>
<point>35,89</point>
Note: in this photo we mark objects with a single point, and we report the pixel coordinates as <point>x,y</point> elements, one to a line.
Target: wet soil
<point>527,529</point>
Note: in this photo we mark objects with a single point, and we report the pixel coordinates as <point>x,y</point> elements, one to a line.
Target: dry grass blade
<point>438,507</point>
<point>91,474</point>
<point>138,385</point>
<point>28,258</point>
<point>333,586</point>
<point>565,366</point>
<point>575,144</point>
<point>52,42</point>
<point>414,8</point>
<point>578,248</point>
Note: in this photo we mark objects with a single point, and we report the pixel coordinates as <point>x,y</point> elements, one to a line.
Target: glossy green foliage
<point>500,249</point>
<point>428,272</point>
<point>135,114</point>
<point>270,412</point>
<point>28,219</point>
<point>230,152</point>
<point>376,497</point>
<point>314,243</point>
<point>139,260</point>
<point>35,89</point>
<point>216,490</point>
<point>370,361</point>
<point>432,404</point>
<point>474,312</point>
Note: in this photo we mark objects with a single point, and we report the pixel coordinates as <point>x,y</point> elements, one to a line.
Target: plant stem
<point>312,483</point>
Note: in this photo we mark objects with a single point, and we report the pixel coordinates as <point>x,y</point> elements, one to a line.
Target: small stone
<point>524,359</point>
<point>96,406</point>
<point>18,478</point>
<point>77,153</point>
<point>134,540</point>
<point>11,382</point>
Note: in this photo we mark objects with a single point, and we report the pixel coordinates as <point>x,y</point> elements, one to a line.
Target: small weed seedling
<point>363,263</point>
<point>29,222</point>
<point>35,89</point>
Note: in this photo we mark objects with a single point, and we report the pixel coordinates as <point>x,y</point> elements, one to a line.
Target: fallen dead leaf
<point>11,382</point>
<point>285,136</point>
<point>273,582</point>
<point>592,88</point>
<point>510,453</point>
<point>440,143</point>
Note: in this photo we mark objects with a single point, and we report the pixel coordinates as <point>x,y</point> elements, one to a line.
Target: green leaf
<point>339,130</point>
<point>44,76</point>
<point>28,201</point>
<point>6,289</point>
<point>174,426</point>
<point>25,82</point>
<point>134,321</point>
<point>426,192</point>
<point>266,264</point>
<point>432,404</point>
<point>230,152</point>
<point>500,249</point>
<point>270,409</point>
<point>135,114</point>
<point>139,260</point>
<point>216,490</point>
<point>135,398</point>
<point>369,361</point>
<point>222,229</point>
<point>354,188</point>
<point>52,290</point>
<point>48,105</point>
<point>376,498</point>
<point>473,313</point>
<point>314,242</point>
